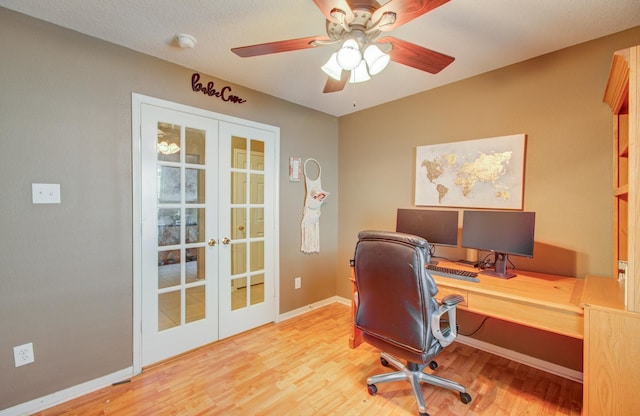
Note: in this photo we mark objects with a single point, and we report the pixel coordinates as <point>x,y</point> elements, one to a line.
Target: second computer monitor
<point>502,232</point>
<point>438,227</point>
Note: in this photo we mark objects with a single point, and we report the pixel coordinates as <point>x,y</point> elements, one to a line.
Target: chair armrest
<point>453,299</point>
<point>448,306</point>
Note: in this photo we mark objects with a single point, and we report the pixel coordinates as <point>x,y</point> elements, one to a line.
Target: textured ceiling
<point>481,34</point>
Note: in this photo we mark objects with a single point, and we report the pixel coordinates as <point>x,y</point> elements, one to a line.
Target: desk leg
<point>356,334</point>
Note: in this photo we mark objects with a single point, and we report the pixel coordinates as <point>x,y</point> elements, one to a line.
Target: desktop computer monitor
<point>502,232</point>
<point>438,227</point>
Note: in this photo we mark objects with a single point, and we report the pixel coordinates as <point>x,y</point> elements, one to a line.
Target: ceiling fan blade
<point>405,10</point>
<point>334,85</point>
<point>326,6</point>
<point>415,56</point>
<point>279,46</point>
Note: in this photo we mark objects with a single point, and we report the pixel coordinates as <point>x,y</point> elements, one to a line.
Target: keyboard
<point>453,273</point>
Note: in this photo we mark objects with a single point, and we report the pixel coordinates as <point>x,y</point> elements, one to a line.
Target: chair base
<point>414,374</point>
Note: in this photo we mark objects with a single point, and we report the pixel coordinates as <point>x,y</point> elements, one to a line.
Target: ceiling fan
<point>357,25</point>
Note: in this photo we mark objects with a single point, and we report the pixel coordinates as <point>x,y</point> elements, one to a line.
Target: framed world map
<point>482,173</point>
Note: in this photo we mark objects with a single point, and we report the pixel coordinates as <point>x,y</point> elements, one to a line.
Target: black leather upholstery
<point>395,294</point>
<point>396,304</point>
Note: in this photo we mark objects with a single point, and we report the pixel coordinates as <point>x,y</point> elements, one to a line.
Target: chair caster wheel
<point>433,365</point>
<point>372,389</point>
<point>465,398</point>
<point>384,362</point>
<point>423,414</point>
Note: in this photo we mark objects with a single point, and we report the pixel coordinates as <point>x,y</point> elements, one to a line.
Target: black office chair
<point>397,312</point>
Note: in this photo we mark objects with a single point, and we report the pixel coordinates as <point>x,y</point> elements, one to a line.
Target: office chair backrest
<point>395,291</point>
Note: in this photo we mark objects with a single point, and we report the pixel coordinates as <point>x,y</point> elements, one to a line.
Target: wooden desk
<point>548,302</point>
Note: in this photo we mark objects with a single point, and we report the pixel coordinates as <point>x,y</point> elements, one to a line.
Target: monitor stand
<point>499,268</point>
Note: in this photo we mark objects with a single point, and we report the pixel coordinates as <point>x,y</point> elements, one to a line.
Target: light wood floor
<point>303,366</point>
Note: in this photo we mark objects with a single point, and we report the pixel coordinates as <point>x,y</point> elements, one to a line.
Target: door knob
<point>226,241</point>
<point>241,228</point>
<point>212,242</point>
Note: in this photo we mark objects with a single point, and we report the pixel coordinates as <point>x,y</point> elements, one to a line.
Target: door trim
<point>136,139</point>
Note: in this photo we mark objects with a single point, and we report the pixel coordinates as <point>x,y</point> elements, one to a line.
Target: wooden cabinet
<point>612,307</point>
<point>611,350</point>
<point>621,94</point>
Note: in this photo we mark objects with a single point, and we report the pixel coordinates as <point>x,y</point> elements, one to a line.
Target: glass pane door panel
<point>257,256</point>
<point>257,222</point>
<point>169,307</point>
<point>168,142</point>
<point>195,265</point>
<point>257,155</point>
<point>238,223</point>
<point>238,258</point>
<point>194,184</point>
<point>238,147</point>
<point>257,289</point>
<point>238,188</point>
<point>168,268</point>
<point>194,218</point>
<point>257,188</point>
<point>168,184</point>
<point>168,226</point>
<point>195,146</point>
<point>195,304</point>
<point>238,293</point>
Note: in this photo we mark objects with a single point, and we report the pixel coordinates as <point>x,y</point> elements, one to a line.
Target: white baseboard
<point>537,363</point>
<point>62,396</point>
<point>312,306</point>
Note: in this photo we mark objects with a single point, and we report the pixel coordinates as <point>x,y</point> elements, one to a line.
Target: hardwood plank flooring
<point>304,366</point>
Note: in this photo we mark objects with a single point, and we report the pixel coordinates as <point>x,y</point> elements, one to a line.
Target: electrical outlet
<point>45,193</point>
<point>23,354</point>
<point>298,283</point>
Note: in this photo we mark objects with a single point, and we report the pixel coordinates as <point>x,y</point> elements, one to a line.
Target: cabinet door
<point>611,366</point>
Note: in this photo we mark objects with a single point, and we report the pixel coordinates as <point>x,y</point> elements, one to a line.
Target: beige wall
<point>556,100</point>
<point>65,117</point>
<point>66,279</point>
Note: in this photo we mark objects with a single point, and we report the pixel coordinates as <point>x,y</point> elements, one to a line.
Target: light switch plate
<point>45,193</point>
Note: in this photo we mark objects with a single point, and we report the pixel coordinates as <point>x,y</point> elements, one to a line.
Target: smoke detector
<point>185,41</point>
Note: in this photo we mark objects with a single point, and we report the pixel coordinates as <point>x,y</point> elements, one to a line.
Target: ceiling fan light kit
<point>332,68</point>
<point>349,55</point>
<point>360,73</point>
<point>349,58</point>
<point>376,59</point>
<point>356,25</point>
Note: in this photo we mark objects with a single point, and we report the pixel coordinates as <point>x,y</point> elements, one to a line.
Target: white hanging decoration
<point>314,199</point>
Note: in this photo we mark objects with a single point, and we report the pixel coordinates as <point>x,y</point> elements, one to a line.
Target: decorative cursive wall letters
<point>224,94</point>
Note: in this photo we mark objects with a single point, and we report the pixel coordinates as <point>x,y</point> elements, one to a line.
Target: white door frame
<point>136,139</point>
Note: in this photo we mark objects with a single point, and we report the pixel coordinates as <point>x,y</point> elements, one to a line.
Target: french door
<point>246,280</point>
<point>207,217</point>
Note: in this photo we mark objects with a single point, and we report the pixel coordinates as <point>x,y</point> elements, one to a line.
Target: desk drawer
<point>535,315</point>
<point>444,291</point>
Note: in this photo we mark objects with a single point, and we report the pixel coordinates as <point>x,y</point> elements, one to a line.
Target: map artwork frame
<point>481,173</point>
